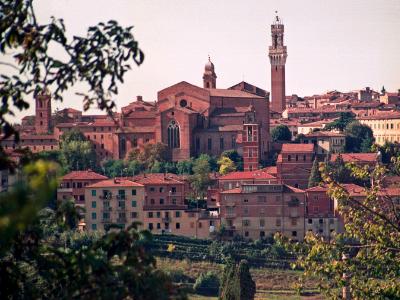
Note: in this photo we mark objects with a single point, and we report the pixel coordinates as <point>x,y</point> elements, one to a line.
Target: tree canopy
<point>281,133</point>
<point>340,124</point>
<point>359,137</point>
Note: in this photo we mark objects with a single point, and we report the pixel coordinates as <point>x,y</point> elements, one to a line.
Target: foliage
<point>299,138</point>
<point>235,157</point>
<point>315,176</point>
<point>185,166</point>
<point>237,283</point>
<point>388,153</point>
<point>77,152</point>
<point>40,257</point>
<point>339,171</point>
<point>359,137</point>
<point>226,165</point>
<point>207,284</point>
<point>340,124</point>
<point>200,180</point>
<point>150,155</point>
<point>100,59</point>
<point>370,243</point>
<point>281,133</point>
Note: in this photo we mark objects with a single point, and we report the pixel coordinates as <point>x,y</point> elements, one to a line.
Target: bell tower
<point>277,57</point>
<point>250,141</point>
<point>209,76</point>
<point>43,113</point>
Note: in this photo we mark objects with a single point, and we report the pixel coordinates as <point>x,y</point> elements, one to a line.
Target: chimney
<point>139,98</point>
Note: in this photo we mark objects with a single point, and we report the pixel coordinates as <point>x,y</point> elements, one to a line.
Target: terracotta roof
<point>324,134</point>
<point>232,191</point>
<point>84,175</point>
<point>355,157</point>
<point>37,137</point>
<point>317,188</point>
<point>232,94</point>
<point>258,174</point>
<point>156,178</point>
<point>299,148</point>
<point>273,170</point>
<point>115,183</point>
<point>382,116</point>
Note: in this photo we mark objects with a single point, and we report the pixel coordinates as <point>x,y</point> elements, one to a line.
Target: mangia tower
<point>277,57</point>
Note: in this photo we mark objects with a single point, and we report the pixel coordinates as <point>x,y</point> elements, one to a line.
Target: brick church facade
<point>189,119</point>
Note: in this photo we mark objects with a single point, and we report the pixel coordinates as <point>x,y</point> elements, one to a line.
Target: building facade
<point>256,211</point>
<point>385,126</point>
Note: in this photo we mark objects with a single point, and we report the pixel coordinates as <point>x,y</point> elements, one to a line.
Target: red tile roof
<point>231,93</point>
<point>84,175</point>
<point>325,134</point>
<point>299,148</point>
<point>355,157</point>
<point>156,178</point>
<point>258,174</point>
<point>115,183</point>
<point>273,170</point>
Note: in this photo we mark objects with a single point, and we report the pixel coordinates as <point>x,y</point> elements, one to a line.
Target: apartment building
<point>325,142</point>
<point>385,126</point>
<point>113,201</point>
<point>73,185</point>
<point>259,210</point>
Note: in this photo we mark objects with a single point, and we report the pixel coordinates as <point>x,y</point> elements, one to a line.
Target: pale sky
<point>341,44</point>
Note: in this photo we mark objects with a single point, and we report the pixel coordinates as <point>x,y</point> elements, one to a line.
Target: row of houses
<point>251,204</point>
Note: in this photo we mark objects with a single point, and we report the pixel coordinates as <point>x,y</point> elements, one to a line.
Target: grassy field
<point>271,283</point>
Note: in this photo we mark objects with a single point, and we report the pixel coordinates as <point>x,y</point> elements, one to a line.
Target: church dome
<point>209,65</point>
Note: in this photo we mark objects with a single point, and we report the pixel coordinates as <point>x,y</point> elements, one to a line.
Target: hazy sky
<point>339,44</point>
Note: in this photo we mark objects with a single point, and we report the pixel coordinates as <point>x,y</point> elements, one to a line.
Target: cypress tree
<point>247,284</point>
<point>315,175</point>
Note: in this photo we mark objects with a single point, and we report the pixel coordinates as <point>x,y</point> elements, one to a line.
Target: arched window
<point>173,135</point>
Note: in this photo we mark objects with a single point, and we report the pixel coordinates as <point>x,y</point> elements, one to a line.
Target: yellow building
<point>113,201</point>
<point>385,126</point>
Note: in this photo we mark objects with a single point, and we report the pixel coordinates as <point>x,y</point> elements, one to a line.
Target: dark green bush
<point>207,284</point>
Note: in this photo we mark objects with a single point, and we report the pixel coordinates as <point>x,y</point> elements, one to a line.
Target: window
<point>200,224</point>
<point>278,222</point>
<point>81,198</point>
<point>152,189</point>
<point>262,222</point>
<point>233,141</point>
<point>309,221</point>
<point>321,221</point>
<point>297,157</point>
<point>249,134</point>
<point>173,135</point>
<point>161,189</point>
<point>246,223</point>
<point>152,201</point>
<point>177,214</point>
<point>294,233</point>
<point>177,225</point>
<point>134,215</point>
<point>246,233</point>
<point>133,192</point>
<point>150,226</point>
<point>245,200</point>
<point>173,201</point>
<point>134,142</point>
<point>209,144</point>
<point>106,215</point>
<point>304,158</point>
<point>294,221</point>
<point>158,225</point>
<point>121,194</point>
<point>121,204</point>
<point>133,203</point>
<point>161,201</point>
<point>245,211</point>
<point>150,214</point>
<point>94,226</point>
<point>94,216</point>
<point>173,190</point>
<point>93,204</point>
<point>183,103</point>
<point>289,158</point>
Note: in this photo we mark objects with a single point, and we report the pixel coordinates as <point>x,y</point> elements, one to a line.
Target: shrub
<point>207,284</point>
